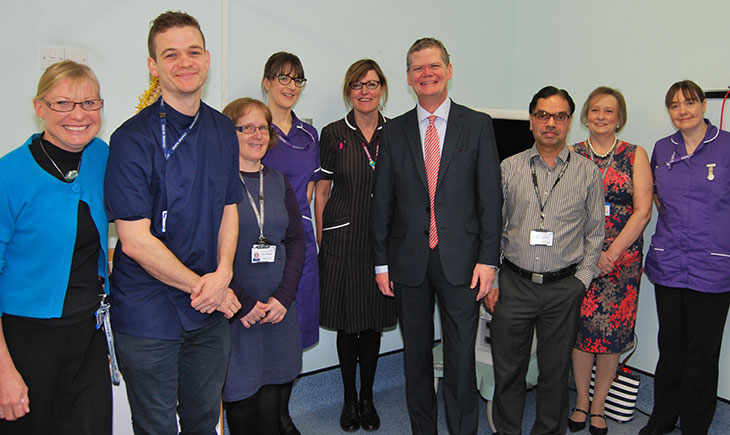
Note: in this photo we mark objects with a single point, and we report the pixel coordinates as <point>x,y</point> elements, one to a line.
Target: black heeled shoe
<point>575,426</point>
<point>598,430</point>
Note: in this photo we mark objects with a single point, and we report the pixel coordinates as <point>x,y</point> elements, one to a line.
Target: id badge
<point>263,253</point>
<point>607,209</point>
<point>541,238</point>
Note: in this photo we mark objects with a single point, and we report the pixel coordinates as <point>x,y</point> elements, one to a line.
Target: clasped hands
<point>270,312</point>
<point>211,293</point>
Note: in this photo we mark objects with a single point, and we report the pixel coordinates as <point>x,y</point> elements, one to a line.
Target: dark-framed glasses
<point>370,84</point>
<point>285,79</point>
<point>251,129</point>
<point>69,106</point>
<point>543,116</point>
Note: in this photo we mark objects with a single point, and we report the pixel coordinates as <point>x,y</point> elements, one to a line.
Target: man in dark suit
<point>436,225</point>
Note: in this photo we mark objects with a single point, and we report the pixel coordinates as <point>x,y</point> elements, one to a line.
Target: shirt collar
<point>350,120</point>
<point>710,135</point>
<point>562,156</point>
<point>441,111</point>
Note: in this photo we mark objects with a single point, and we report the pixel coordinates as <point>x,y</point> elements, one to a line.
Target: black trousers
<point>66,369</point>
<point>459,318</point>
<point>553,310</point>
<point>691,325</point>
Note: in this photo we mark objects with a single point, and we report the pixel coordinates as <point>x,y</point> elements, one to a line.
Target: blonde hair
<point>60,71</point>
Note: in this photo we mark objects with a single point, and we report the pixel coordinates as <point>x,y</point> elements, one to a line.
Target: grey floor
<point>317,401</point>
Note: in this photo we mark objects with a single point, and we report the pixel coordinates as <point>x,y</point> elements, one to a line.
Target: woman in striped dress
<point>349,298</point>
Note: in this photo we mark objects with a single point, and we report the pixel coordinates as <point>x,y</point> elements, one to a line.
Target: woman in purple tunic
<point>689,262</point>
<point>297,157</point>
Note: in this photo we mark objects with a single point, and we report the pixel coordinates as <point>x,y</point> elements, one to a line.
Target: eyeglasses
<point>251,129</point>
<point>370,84</point>
<point>543,116</point>
<point>69,106</point>
<point>285,79</point>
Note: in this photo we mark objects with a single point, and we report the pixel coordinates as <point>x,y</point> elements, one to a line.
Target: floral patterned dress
<point>608,313</point>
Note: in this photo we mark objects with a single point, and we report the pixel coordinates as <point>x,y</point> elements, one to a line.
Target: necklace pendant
<point>371,163</point>
<point>71,175</point>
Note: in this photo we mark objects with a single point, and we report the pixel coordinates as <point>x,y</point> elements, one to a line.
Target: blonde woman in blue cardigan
<point>54,370</point>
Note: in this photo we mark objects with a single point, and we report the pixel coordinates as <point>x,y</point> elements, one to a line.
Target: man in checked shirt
<point>553,232</point>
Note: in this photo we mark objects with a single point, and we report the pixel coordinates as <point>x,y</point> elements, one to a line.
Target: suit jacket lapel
<point>453,131</point>
<point>414,143</point>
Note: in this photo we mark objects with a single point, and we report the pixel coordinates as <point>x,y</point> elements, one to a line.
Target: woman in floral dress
<point>608,313</point>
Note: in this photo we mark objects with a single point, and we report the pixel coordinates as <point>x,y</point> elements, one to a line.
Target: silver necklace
<point>603,156</point>
<point>70,175</point>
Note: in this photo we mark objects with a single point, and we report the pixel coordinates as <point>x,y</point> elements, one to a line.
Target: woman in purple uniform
<point>297,157</point>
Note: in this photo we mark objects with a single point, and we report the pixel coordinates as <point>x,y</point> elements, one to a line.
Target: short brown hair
<point>60,71</point>
<point>689,89</point>
<point>166,21</point>
<point>357,71</point>
<point>241,106</point>
<point>424,43</point>
<point>605,90</point>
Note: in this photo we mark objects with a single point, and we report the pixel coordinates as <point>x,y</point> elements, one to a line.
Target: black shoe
<point>369,419</point>
<point>576,426</point>
<point>286,426</point>
<point>350,418</point>
<point>650,429</point>
<point>598,430</point>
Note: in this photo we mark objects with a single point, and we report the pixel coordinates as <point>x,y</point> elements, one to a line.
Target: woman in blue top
<point>297,157</point>
<point>54,371</point>
<point>266,352</point>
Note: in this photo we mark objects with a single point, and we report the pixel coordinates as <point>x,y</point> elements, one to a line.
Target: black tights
<point>364,345</point>
<point>257,414</point>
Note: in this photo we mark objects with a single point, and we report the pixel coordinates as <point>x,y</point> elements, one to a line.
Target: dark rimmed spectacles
<point>251,129</point>
<point>370,84</point>
<point>285,79</point>
<point>543,116</point>
<point>69,106</point>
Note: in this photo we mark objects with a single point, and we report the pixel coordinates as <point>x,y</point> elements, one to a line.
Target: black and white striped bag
<point>621,399</point>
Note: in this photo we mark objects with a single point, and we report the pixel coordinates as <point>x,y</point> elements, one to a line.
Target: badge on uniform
<point>263,252</point>
<point>541,238</point>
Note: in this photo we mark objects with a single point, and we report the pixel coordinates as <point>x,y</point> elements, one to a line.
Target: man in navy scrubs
<point>171,188</point>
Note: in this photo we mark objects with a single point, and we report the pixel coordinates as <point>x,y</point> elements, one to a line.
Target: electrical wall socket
<point>51,55</point>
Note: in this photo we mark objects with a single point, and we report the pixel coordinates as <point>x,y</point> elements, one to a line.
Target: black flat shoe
<point>576,426</point>
<point>350,417</point>
<point>369,419</point>
<point>598,430</point>
<point>286,426</point>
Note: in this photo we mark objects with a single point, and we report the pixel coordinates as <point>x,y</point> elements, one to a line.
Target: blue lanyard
<point>163,124</point>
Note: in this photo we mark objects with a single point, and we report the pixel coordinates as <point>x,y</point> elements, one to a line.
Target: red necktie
<point>433,158</point>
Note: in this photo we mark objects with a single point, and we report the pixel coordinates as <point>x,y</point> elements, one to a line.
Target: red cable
<point>722,111</point>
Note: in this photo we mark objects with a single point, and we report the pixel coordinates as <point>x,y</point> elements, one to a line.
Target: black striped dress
<point>349,298</point>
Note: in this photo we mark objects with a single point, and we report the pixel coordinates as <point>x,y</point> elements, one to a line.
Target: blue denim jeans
<point>188,373</point>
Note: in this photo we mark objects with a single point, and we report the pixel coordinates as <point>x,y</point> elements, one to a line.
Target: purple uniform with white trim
<point>296,155</point>
<point>691,245</point>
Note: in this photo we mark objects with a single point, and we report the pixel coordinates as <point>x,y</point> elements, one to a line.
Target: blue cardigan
<point>38,222</point>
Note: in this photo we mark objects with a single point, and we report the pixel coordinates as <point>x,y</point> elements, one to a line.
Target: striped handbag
<point>621,399</point>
